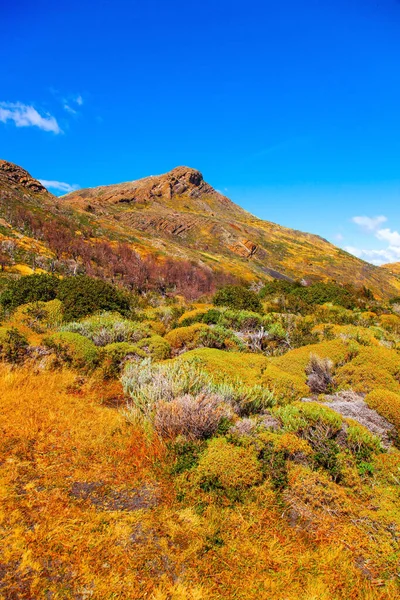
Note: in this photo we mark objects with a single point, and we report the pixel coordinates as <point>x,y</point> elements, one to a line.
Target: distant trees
<point>118,263</point>
<point>238,297</point>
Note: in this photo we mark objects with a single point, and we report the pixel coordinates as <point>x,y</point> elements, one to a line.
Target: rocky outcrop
<point>14,175</point>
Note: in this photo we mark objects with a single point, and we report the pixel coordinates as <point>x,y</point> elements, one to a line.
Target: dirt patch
<point>102,496</point>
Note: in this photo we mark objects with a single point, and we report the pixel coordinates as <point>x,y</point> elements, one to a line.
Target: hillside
<point>394,268</point>
<point>175,215</point>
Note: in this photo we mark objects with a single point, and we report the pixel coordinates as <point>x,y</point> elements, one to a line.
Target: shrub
<point>108,328</point>
<point>365,378</point>
<point>195,417</point>
<point>238,297</point>
<point>226,467</point>
<point>13,345</point>
<point>284,386</point>
<point>361,442</point>
<point>319,371</point>
<point>220,337</point>
<point>192,316</point>
<point>148,384</point>
<point>186,337</point>
<point>31,288</point>
<point>387,404</point>
<point>39,316</point>
<point>114,356</point>
<point>73,349</point>
<point>154,347</point>
<point>296,361</point>
<point>309,419</point>
<point>391,323</point>
<point>82,296</point>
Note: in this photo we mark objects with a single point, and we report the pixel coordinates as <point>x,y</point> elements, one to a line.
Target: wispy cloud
<point>370,223</point>
<point>24,115</point>
<point>60,186</point>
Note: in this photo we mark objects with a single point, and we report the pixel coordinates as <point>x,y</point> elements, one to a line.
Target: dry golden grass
<point>88,512</point>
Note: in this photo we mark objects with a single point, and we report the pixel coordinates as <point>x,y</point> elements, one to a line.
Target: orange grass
<point>56,542</point>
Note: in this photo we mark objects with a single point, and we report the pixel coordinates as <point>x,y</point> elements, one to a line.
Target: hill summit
<point>179,216</point>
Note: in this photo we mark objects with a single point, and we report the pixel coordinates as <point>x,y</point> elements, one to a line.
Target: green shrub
<point>73,349</point>
<point>30,288</point>
<point>13,345</point>
<point>154,347</point>
<point>108,328</point>
<point>220,337</point>
<point>114,356</point>
<point>238,297</point>
<point>224,467</point>
<point>82,296</point>
<point>186,337</point>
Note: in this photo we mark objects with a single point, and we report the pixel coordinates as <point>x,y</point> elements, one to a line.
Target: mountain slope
<point>179,215</point>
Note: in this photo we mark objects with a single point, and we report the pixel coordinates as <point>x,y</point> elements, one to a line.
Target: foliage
<point>13,345</point>
<point>82,296</point>
<point>227,468</point>
<point>113,357</point>
<point>108,328</point>
<point>194,417</point>
<point>32,288</point>
<point>154,347</point>
<point>73,349</point>
<point>387,404</point>
<point>319,371</point>
<point>238,297</point>
<point>185,338</point>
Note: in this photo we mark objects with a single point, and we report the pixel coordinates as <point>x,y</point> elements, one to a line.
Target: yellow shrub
<point>391,323</point>
<point>292,444</point>
<point>387,404</point>
<point>295,361</point>
<point>185,337</point>
<point>226,466</point>
<point>364,378</point>
<point>191,315</point>
<point>230,366</point>
<point>285,386</point>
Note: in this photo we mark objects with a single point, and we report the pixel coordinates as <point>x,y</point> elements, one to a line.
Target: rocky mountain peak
<point>17,176</point>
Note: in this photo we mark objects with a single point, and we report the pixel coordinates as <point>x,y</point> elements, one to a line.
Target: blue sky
<point>292,109</point>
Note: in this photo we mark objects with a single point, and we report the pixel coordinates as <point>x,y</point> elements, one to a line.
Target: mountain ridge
<point>179,215</point>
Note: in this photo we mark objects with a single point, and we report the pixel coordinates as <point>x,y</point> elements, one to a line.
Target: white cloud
<point>79,100</point>
<point>24,115</point>
<point>387,235</point>
<point>376,257</point>
<point>61,186</point>
<point>369,223</point>
<point>69,109</point>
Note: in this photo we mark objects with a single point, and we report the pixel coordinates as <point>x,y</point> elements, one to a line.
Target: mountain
<point>176,215</point>
<point>394,268</point>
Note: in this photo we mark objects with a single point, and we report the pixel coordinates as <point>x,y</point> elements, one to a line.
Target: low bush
<point>186,338</point>
<point>238,297</point>
<point>73,349</point>
<point>31,288</point>
<point>114,356</point>
<point>219,337</point>
<point>82,296</point>
<point>154,347</point>
<point>13,345</point>
<point>194,417</point>
<point>108,328</point>
<point>227,468</point>
<point>319,375</point>
<point>387,404</point>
